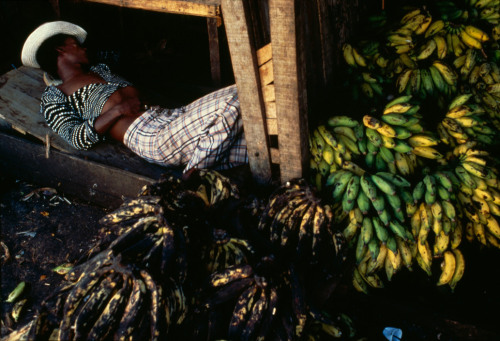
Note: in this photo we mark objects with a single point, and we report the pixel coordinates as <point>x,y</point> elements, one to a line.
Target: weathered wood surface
<point>20,92</point>
<point>246,73</point>
<point>290,88</point>
<point>87,180</point>
<point>203,8</point>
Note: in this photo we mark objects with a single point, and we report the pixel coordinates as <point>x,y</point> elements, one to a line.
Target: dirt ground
<point>43,229</point>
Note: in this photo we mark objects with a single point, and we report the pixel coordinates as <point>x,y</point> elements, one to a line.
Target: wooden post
<point>213,46</point>
<point>290,88</point>
<point>246,74</point>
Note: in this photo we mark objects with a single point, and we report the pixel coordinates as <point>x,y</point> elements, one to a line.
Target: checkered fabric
<point>208,133</point>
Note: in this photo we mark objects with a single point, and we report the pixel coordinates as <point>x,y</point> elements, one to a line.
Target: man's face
<point>73,51</point>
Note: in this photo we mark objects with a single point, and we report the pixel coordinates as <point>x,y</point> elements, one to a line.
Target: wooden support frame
<point>290,87</point>
<point>246,73</point>
<point>211,9</point>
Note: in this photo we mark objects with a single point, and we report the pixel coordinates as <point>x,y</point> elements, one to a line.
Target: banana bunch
<point>225,251</point>
<point>430,81</point>
<point>295,219</point>
<point>332,144</point>
<point>379,247</point>
<point>320,325</point>
<point>397,138</point>
<point>383,191</point>
<point>466,64</point>
<point>115,301</point>
<point>353,57</point>
<point>215,187</point>
<point>452,268</point>
<point>459,38</point>
<point>256,306</point>
<point>435,215</point>
<point>487,10</point>
<point>413,23</point>
<point>464,122</point>
<point>479,194</point>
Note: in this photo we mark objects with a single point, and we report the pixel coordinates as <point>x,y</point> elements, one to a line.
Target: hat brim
<point>45,31</point>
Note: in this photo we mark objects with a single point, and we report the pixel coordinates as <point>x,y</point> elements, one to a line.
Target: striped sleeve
<point>63,120</point>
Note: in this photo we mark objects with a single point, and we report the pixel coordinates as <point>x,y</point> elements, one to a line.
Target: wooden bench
<point>30,150</point>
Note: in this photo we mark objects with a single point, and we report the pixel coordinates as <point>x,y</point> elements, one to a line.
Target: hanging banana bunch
<point>225,251</point>
<point>296,219</point>
<point>479,194</point>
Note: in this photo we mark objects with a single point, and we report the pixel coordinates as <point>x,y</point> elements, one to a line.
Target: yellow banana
<point>386,130</point>
<point>470,41</point>
<point>459,268</point>
<point>421,140</point>
<point>427,152</point>
<point>425,253</point>
<point>348,55</point>
<point>448,268</point>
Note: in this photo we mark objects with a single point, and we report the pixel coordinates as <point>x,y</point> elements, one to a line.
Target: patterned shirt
<point>72,117</point>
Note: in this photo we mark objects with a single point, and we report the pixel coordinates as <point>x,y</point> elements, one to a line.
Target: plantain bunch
<point>111,301</point>
<point>398,137</point>
<point>225,251</point>
<point>295,219</point>
<point>253,302</point>
<point>425,51</point>
<point>465,121</point>
<point>478,194</point>
<point>333,143</point>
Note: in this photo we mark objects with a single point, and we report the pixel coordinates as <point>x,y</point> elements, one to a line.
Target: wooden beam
<point>246,74</point>
<point>290,87</point>
<point>202,8</point>
<point>87,180</point>
<point>213,46</point>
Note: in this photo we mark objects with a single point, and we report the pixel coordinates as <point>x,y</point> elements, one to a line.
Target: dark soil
<point>41,232</point>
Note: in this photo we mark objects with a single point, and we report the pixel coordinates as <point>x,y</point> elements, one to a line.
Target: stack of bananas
<point>487,10</point>
<point>334,143</point>
<point>225,251</point>
<point>396,136</point>
<point>114,301</point>
<point>479,194</point>
<point>464,122</point>
<point>424,49</point>
<point>256,302</point>
<point>442,62</point>
<point>295,219</point>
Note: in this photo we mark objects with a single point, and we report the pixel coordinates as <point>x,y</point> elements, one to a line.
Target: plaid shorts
<point>208,133</point>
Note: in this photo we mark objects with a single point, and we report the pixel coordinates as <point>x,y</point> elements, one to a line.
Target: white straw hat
<point>45,31</point>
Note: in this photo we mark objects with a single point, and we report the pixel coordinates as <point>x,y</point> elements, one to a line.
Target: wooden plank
<point>213,47</point>
<point>268,93</point>
<point>327,40</point>
<point>289,82</point>
<point>87,180</point>
<point>246,74</point>
<point>275,155</point>
<point>264,54</point>
<point>272,126</point>
<point>270,109</point>
<point>203,8</point>
<point>266,73</point>
<point>20,93</point>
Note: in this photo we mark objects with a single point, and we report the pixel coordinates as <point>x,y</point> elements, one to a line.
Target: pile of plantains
<point>193,259</point>
<point>416,166</point>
